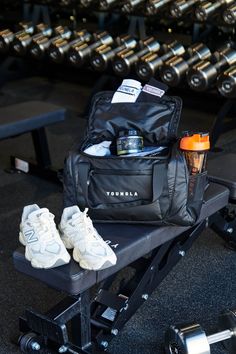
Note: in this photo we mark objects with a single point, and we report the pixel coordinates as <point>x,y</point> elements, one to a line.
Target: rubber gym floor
<point>198,289</point>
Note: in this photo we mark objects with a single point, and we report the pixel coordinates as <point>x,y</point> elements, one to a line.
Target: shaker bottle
<point>195,148</point>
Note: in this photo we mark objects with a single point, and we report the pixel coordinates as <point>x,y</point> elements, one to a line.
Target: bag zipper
<point>120,173</point>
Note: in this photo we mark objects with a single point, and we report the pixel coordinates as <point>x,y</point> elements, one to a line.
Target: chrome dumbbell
<point>203,75</point>
<point>192,339</point>
<point>87,3</point>
<point>174,70</point>
<point>229,15</point>
<point>154,6</point>
<point>38,47</point>
<point>57,50</point>
<point>149,64</point>
<point>103,55</point>
<point>79,53</point>
<point>107,4</point>
<point>125,60</point>
<point>7,36</point>
<point>131,5</point>
<point>21,43</point>
<point>226,82</point>
<point>209,8</point>
<point>181,7</point>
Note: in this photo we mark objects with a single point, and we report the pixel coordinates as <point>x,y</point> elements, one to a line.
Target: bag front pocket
<point>119,187</point>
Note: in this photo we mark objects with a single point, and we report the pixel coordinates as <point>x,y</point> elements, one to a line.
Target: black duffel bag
<point>152,189</point>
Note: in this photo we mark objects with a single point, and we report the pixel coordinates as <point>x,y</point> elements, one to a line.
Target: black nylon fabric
<point>158,123</point>
<point>154,190</point>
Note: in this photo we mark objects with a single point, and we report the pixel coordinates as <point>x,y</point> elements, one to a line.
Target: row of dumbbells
<point>125,55</point>
<point>201,10</point>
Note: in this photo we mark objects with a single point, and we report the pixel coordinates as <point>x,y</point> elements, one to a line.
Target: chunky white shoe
<point>90,250</point>
<point>38,233</point>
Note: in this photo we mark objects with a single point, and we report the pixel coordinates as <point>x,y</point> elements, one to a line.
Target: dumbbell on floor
<point>124,61</point>
<point>202,75</point>
<point>226,82</point>
<point>148,65</point>
<point>174,69</point>
<point>192,339</point>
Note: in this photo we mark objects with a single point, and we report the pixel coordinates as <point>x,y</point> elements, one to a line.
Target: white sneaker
<point>38,233</point>
<point>90,250</point>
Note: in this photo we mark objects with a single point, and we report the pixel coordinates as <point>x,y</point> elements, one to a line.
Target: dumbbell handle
<point>220,336</point>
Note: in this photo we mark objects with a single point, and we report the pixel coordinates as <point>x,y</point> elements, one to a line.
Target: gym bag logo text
<point>122,194</point>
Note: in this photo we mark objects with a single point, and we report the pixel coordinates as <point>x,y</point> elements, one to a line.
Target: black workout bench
<point>96,318</point>
<point>33,117</point>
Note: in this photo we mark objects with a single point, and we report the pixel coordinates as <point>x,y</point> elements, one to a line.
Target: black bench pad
<point>133,241</point>
<point>222,169</point>
<point>27,116</point>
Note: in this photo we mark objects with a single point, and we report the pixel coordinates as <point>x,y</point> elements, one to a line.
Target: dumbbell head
<point>20,44</point>
<point>228,321</point>
<point>205,10</point>
<point>155,5</point>
<point>79,53</point>
<point>178,8</point>
<point>201,75</point>
<point>149,63</point>
<point>86,3</point>
<point>58,49</point>
<point>105,4</point>
<point>226,83</point>
<point>6,37</point>
<point>126,58</point>
<point>38,47</point>
<point>103,54</point>
<point>130,5</point>
<point>175,68</point>
<point>229,15</point>
<point>101,57</point>
<point>188,339</point>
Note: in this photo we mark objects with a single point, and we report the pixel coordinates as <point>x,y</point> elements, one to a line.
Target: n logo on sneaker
<point>30,236</point>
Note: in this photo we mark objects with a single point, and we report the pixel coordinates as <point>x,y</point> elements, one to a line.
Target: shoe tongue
<point>35,214</point>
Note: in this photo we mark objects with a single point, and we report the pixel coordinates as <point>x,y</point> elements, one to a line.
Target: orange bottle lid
<point>195,142</point>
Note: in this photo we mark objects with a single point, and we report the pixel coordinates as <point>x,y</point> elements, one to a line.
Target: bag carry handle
<point>158,177</point>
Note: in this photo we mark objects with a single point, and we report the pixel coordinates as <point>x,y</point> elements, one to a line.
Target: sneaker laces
<point>84,221</point>
<point>45,226</point>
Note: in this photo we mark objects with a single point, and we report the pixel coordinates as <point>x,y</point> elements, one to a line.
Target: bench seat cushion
<point>222,169</point>
<point>131,241</point>
<point>27,116</point>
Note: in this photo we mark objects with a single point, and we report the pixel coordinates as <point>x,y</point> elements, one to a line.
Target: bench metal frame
<point>94,322</point>
<point>42,166</point>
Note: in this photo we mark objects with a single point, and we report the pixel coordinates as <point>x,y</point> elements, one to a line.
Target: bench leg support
<point>224,224</point>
